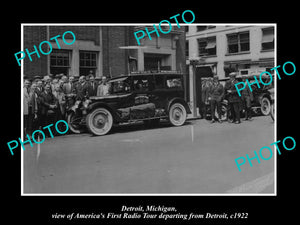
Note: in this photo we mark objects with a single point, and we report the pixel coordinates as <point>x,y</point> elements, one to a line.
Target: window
<point>238,42</point>
<point>201,28</point>
<point>141,83</point>
<point>60,62</point>
<point>207,46</point>
<point>120,85</point>
<point>159,81</point>
<point>267,42</point>
<point>175,83</point>
<point>186,29</point>
<point>187,48</point>
<point>88,62</point>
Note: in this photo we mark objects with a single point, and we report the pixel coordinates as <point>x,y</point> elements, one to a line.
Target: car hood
<point>109,96</point>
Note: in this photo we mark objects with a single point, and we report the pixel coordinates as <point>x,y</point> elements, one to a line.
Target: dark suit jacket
<point>216,92</point>
<point>46,99</point>
<point>92,89</point>
<point>39,90</point>
<point>233,96</point>
<point>81,91</point>
<point>69,88</point>
<point>204,93</point>
<point>247,93</point>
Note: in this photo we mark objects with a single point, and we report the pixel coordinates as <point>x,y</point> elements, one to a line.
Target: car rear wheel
<point>99,121</point>
<point>265,106</point>
<point>177,114</point>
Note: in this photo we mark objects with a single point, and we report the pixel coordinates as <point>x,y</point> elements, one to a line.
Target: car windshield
<point>120,86</point>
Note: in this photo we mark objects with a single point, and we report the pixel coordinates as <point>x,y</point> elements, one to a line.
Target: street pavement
<point>197,158</point>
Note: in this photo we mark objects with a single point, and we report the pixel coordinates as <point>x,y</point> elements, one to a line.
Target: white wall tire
<point>177,114</point>
<point>99,121</point>
<point>265,106</point>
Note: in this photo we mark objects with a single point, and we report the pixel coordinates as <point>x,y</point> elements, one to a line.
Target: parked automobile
<point>147,97</point>
<point>261,96</point>
<point>272,111</point>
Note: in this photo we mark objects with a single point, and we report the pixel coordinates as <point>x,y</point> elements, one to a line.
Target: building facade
<point>223,49</point>
<point>103,50</point>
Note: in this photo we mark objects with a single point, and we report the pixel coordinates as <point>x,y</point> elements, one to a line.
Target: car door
<point>142,108</point>
<point>159,95</point>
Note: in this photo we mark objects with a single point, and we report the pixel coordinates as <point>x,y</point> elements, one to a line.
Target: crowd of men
<point>213,94</point>
<point>46,99</point>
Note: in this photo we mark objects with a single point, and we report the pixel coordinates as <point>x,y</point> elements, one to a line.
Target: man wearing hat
<point>216,94</point>
<point>247,98</point>
<point>233,98</point>
<point>39,86</point>
<point>92,86</point>
<point>81,88</point>
<point>103,88</point>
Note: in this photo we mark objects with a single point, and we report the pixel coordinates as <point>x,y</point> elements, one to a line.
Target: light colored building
<point>221,49</point>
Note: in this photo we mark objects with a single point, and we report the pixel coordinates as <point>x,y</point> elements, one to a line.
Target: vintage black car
<point>147,97</point>
<point>262,98</point>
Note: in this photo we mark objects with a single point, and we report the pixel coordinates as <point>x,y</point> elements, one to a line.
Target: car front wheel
<point>74,121</point>
<point>177,114</point>
<point>99,121</point>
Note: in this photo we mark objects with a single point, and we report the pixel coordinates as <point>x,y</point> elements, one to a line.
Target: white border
<point>150,194</point>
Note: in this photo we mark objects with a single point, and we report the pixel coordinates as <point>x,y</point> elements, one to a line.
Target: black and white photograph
<point>156,112</point>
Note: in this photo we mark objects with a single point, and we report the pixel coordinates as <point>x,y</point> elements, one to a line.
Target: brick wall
<point>34,35</point>
<point>114,58</point>
<point>90,33</point>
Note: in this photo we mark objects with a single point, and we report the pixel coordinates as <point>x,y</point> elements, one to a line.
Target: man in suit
<point>247,98</point>
<point>81,89</point>
<point>69,89</point>
<point>33,109</point>
<point>103,88</point>
<point>92,86</point>
<point>204,97</point>
<point>48,105</point>
<point>216,94</point>
<point>26,90</point>
<point>39,87</point>
<point>234,99</point>
<point>69,86</point>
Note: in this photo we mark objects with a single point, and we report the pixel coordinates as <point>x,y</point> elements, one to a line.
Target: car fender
<point>73,108</point>
<point>261,96</point>
<point>94,105</point>
<point>179,100</point>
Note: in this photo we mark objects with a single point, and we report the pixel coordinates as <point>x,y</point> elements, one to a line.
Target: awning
<point>132,47</point>
<point>267,38</point>
<point>210,45</point>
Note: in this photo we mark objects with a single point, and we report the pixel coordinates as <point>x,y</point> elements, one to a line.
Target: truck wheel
<point>99,121</point>
<point>177,114</point>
